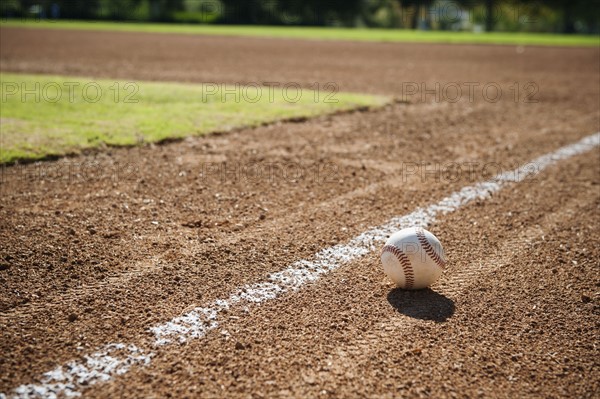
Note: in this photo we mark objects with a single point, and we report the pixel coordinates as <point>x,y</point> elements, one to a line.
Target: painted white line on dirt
<point>66,381</point>
<point>105,364</point>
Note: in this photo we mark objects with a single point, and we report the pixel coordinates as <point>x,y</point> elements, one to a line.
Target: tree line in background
<point>567,16</point>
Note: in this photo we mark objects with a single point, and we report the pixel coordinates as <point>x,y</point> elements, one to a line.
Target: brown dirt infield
<point>96,248</point>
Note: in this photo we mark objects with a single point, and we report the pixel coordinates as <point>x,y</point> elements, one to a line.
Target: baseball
<point>413,258</point>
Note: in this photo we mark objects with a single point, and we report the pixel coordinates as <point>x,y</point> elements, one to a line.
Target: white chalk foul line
<point>106,364</point>
<point>65,381</point>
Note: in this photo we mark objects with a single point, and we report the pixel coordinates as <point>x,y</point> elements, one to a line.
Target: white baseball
<point>413,258</point>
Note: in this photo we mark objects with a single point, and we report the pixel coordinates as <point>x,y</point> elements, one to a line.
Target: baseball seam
<point>409,276</point>
<point>429,249</point>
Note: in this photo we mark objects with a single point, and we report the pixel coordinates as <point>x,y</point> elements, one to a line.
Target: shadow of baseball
<point>422,304</point>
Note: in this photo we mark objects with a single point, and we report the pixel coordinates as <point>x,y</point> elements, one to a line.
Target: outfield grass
<point>322,33</point>
<point>42,116</point>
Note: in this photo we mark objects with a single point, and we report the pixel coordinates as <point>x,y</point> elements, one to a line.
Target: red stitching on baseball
<point>409,276</point>
<point>429,249</point>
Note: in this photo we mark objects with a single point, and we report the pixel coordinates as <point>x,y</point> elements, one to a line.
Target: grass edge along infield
<point>321,33</point>
<point>44,116</point>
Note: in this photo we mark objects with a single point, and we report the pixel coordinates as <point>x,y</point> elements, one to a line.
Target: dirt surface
<point>380,68</point>
<point>97,248</point>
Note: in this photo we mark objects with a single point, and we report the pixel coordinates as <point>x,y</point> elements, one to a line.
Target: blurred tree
<point>382,13</point>
<point>159,10</point>
<point>573,12</point>
<point>73,9</point>
<point>251,12</point>
<point>12,8</point>
<point>415,13</point>
<point>490,9</point>
<point>118,9</point>
<point>325,12</point>
<point>163,10</point>
<point>555,15</point>
<point>304,12</point>
<point>490,19</point>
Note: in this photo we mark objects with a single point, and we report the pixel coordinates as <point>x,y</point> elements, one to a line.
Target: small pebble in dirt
<point>585,299</point>
<point>72,317</point>
<point>239,346</point>
<point>4,266</point>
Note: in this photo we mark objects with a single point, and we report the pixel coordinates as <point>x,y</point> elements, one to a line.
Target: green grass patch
<point>41,116</point>
<point>324,33</point>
